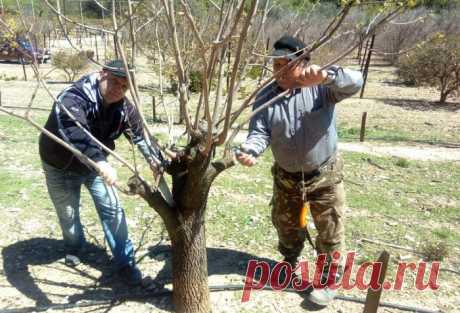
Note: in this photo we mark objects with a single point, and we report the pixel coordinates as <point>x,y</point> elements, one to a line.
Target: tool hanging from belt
<point>303,218</point>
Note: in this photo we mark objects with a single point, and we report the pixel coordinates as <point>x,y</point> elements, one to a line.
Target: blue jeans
<point>64,188</point>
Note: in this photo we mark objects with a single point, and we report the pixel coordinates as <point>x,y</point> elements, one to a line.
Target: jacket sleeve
<point>134,131</point>
<point>68,129</point>
<point>345,84</point>
<point>259,136</point>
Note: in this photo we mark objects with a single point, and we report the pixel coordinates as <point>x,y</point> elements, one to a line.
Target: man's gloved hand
<point>245,158</point>
<point>107,172</point>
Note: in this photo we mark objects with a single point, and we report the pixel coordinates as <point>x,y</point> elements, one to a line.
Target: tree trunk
<point>443,98</point>
<point>185,222</point>
<point>189,263</point>
<point>444,92</point>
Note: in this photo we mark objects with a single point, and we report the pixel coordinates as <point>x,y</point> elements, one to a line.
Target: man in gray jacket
<point>301,129</point>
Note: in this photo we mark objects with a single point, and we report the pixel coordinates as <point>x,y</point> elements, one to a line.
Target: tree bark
<point>443,98</point>
<point>189,263</point>
<point>185,222</point>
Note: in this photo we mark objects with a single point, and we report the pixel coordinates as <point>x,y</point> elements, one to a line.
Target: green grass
<point>381,134</point>
<point>407,202</point>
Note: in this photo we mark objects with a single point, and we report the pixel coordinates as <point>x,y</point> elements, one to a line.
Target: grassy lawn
<point>403,202</point>
<point>409,203</point>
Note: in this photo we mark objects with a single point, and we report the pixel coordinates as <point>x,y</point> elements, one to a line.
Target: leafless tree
<point>220,43</point>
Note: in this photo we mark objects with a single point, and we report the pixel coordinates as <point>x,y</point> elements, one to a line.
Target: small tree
<point>436,64</point>
<point>72,64</point>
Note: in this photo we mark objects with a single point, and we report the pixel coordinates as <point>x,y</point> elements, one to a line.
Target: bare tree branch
<point>60,15</point>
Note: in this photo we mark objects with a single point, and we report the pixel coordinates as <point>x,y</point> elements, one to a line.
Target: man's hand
<point>107,172</point>
<point>245,158</point>
<point>155,168</point>
<point>311,75</point>
<point>300,76</point>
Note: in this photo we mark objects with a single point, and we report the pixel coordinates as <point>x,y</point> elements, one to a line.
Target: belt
<point>308,175</point>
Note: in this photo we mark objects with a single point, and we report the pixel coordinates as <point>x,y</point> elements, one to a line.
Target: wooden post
<point>363,127</point>
<point>366,67</point>
<point>366,47</point>
<point>115,46</point>
<point>360,48</point>
<point>373,297</point>
<point>104,37</point>
<point>23,68</point>
<point>154,111</point>
<point>97,51</point>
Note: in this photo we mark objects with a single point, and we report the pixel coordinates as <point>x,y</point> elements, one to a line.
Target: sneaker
<point>131,275</point>
<point>323,296</point>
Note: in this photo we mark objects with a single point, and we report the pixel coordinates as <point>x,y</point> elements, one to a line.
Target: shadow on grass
<point>223,262</point>
<point>20,256</point>
<point>421,105</point>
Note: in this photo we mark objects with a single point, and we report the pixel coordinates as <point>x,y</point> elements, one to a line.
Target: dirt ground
<point>34,275</point>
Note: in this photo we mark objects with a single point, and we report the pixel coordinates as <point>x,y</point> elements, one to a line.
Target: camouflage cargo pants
<point>326,196</point>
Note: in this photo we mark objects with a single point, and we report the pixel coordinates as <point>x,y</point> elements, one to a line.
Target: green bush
<point>401,162</point>
<point>434,64</point>
<point>195,81</point>
<point>255,72</point>
<point>72,64</point>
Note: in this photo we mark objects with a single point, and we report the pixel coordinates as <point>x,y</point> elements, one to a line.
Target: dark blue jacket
<point>85,103</point>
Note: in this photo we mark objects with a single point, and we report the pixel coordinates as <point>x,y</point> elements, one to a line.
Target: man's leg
<point>64,190</point>
<point>113,220</point>
<point>287,204</point>
<point>327,207</point>
<point>326,204</point>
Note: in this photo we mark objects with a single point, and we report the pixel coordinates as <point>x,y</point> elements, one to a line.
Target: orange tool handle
<point>304,215</point>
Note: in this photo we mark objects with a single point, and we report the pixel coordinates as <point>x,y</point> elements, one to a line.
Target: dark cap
<point>288,47</point>
<point>117,68</point>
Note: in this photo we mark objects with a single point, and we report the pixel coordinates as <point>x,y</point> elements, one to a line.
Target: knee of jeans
<point>111,211</point>
<point>67,214</point>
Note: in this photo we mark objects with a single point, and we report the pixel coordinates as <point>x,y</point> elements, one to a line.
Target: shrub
<point>72,64</point>
<point>435,251</point>
<point>435,64</point>
<point>255,72</point>
<point>196,83</point>
<point>401,162</point>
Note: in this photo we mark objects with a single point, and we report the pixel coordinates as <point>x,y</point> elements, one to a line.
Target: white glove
<point>107,172</point>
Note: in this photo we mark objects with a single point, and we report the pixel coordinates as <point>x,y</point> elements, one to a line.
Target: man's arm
<point>259,136</point>
<point>341,83</point>
<point>68,129</point>
<point>74,135</point>
<point>135,133</point>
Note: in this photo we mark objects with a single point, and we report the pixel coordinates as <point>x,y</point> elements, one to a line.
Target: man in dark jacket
<point>97,102</point>
<point>301,129</point>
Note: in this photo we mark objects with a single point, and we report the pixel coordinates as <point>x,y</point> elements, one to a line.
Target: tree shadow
<point>220,261</point>
<point>18,257</point>
<point>223,262</point>
<point>106,292</point>
<point>421,105</point>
